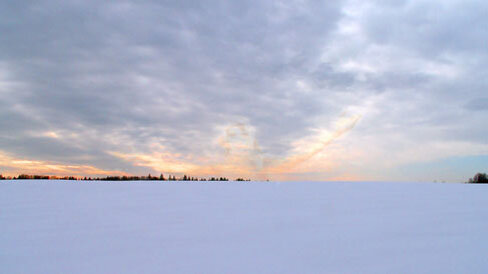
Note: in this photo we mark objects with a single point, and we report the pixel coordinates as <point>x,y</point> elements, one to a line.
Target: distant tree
<point>161,177</point>
<point>479,178</point>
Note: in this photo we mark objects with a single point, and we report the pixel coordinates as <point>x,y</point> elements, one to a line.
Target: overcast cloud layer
<point>292,90</point>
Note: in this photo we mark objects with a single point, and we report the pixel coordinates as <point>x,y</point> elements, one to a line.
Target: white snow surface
<point>242,227</point>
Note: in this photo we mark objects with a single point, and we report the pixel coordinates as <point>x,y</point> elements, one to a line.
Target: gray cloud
<point>125,75</point>
<point>478,104</point>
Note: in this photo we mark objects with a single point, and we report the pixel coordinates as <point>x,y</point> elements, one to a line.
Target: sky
<point>279,90</point>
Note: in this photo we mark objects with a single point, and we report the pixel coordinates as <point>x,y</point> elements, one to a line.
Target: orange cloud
<point>242,156</point>
<point>289,164</point>
<point>17,166</point>
<point>161,162</point>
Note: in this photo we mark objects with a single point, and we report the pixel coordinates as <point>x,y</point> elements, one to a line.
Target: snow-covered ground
<point>192,227</point>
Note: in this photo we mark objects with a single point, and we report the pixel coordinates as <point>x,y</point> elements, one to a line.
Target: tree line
<point>149,177</point>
